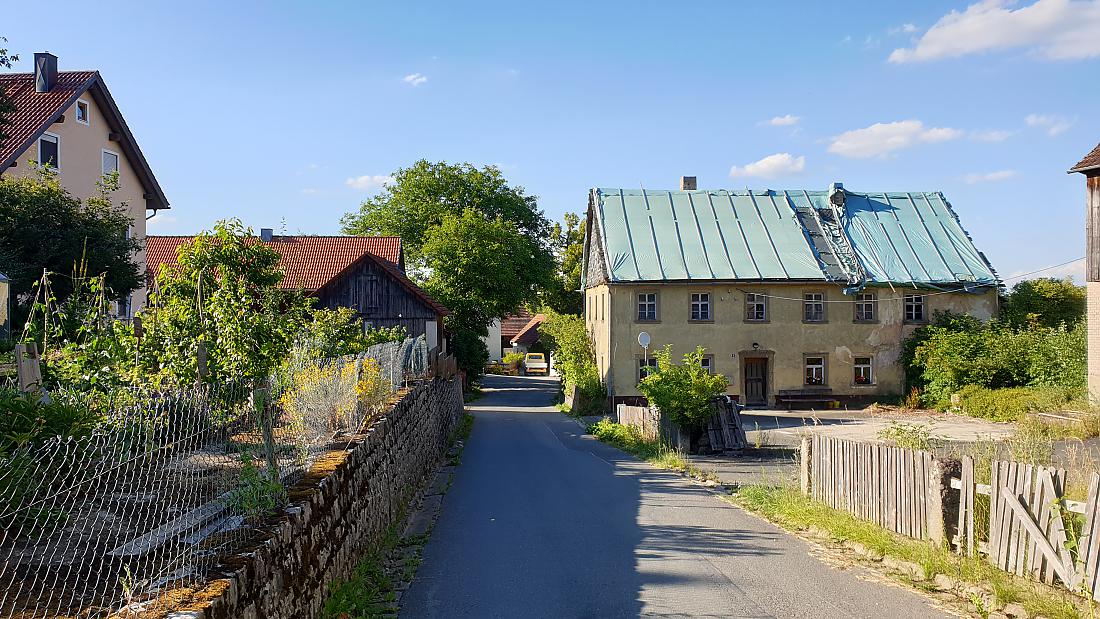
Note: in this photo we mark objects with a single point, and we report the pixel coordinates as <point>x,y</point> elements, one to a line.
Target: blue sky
<point>297,111</point>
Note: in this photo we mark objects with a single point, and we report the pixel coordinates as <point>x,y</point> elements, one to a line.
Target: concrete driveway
<point>542,521</point>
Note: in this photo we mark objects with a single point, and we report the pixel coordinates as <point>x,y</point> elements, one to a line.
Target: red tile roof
<point>1090,162</point>
<point>310,262</point>
<point>510,326</point>
<point>529,334</point>
<point>35,112</point>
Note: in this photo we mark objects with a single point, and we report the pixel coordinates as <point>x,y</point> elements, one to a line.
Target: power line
<point>1044,269</point>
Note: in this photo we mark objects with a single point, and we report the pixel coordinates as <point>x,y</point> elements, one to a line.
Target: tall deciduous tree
<point>422,196</point>
<point>567,242</point>
<point>1047,301</point>
<point>42,226</point>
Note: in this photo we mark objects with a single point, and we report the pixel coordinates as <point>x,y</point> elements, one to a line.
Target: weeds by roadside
<point>661,455</point>
<point>973,579</point>
<point>910,435</point>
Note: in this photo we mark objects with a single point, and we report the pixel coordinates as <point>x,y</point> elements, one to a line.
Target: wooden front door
<point>756,381</point>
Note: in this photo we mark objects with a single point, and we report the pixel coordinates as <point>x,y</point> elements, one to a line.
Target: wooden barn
<point>366,274</point>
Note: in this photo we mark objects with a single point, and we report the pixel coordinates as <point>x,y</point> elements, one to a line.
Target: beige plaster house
<point>797,296</point>
<point>69,120</point>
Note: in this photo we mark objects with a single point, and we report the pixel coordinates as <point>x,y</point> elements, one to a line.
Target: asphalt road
<point>542,521</point>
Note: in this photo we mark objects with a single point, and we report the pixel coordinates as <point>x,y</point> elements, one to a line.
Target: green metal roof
<point>910,238</point>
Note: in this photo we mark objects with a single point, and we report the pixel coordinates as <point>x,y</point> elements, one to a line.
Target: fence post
<point>260,404</point>
<point>27,367</point>
<point>937,489</point>
<point>804,451</point>
<point>200,361</point>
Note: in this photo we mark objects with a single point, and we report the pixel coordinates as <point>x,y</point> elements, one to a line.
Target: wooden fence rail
<point>1027,526</point>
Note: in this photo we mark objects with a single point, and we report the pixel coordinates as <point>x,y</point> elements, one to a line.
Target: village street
<point>542,521</point>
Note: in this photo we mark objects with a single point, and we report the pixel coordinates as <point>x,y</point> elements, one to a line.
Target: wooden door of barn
<point>756,381</point>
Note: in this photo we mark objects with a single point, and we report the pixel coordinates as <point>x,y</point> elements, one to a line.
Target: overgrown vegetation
<point>575,361</point>
<point>909,435</point>
<point>655,452</point>
<point>27,419</point>
<point>787,507</point>
<point>1032,359</point>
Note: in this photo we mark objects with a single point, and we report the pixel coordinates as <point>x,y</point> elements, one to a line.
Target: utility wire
<point>923,294</point>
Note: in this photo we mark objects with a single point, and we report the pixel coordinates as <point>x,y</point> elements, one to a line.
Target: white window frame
<point>701,307</point>
<point>87,122</point>
<point>814,300</point>
<point>866,301</point>
<point>118,160</point>
<point>755,299</point>
<point>646,366</point>
<point>912,302</point>
<point>865,370</point>
<point>820,367</point>
<point>707,361</point>
<point>638,303</point>
<point>38,147</point>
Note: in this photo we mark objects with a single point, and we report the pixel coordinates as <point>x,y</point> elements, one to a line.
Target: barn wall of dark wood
<point>379,299</point>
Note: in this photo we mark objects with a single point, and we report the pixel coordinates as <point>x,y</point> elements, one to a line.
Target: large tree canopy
<point>1046,301</point>
<point>567,243</point>
<point>423,195</point>
<point>42,226</point>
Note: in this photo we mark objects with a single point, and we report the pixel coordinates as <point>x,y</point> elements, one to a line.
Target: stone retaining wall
<point>335,519</point>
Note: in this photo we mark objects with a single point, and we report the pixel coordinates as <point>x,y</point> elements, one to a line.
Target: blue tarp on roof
<point>909,238</point>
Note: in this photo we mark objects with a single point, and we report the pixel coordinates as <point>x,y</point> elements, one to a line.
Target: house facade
<point>1089,166</point>
<point>366,274</point>
<point>797,296</point>
<point>69,120</point>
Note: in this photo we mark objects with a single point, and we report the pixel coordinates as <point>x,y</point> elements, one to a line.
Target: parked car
<point>535,363</point>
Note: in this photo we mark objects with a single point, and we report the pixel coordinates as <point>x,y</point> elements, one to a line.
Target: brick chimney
<point>687,183</point>
<point>45,71</point>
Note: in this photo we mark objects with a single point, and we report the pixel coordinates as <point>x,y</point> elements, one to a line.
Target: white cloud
<point>989,177</point>
<point>1054,29</point>
<point>990,135</point>
<point>902,29</point>
<point>415,79</point>
<point>783,121</point>
<point>772,166</point>
<point>1053,123</point>
<point>367,181</point>
<point>880,139</point>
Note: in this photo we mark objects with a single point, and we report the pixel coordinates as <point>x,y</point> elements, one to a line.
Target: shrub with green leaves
<point>683,390</point>
<point>1010,404</point>
<point>574,358</point>
<point>24,419</point>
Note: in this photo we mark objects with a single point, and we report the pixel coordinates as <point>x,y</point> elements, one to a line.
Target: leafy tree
<point>683,391</point>
<point>565,335</point>
<point>7,108</point>
<point>481,268</point>
<point>225,293</point>
<point>421,197</point>
<point>470,353</point>
<point>567,244</point>
<point>43,227</point>
<point>1046,301</point>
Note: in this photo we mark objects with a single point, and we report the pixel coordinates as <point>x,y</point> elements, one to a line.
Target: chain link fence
<point>166,486</point>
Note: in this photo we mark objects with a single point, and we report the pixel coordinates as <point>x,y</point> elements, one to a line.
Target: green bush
<point>956,351</point>
<point>683,391</point>
<point>25,420</point>
<point>470,353</point>
<point>512,357</point>
<point>1010,404</point>
<point>574,358</point>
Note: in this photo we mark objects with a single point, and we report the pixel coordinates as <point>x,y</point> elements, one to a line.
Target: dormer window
<point>49,150</point>
<point>82,115</point>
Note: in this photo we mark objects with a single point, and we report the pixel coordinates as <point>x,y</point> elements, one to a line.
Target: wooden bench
<point>791,396</point>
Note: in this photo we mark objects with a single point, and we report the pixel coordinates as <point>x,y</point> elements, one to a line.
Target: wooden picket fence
<point>886,485</point>
<point>647,419</point>
<point>1026,527</point>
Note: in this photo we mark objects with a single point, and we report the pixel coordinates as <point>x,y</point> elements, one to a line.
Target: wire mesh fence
<point>167,485</point>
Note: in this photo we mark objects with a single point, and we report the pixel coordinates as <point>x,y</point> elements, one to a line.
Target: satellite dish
<point>643,339</point>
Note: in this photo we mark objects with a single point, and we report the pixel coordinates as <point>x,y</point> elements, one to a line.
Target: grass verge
<point>989,587</point>
<point>631,440</point>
